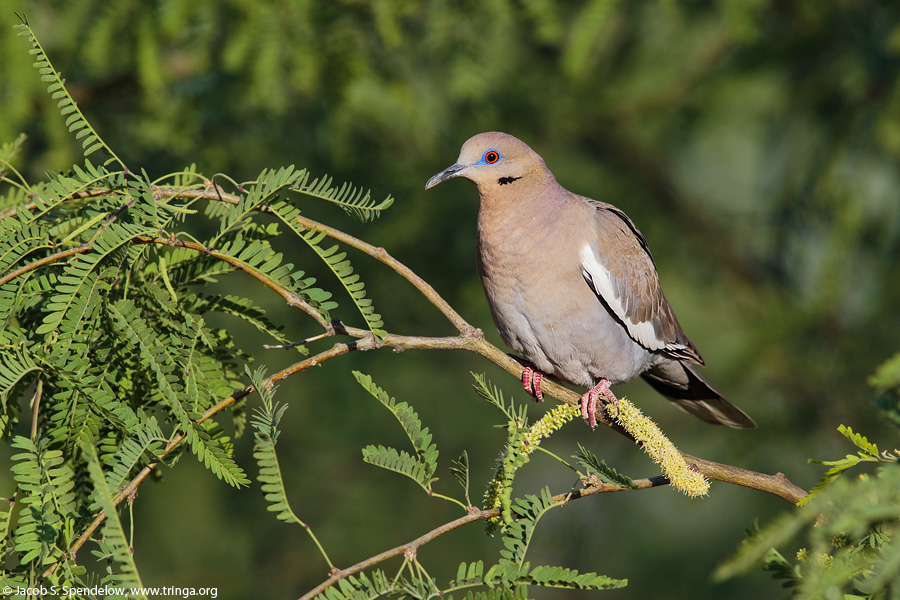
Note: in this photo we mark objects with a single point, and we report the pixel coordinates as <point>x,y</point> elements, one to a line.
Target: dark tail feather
<point>681,384</point>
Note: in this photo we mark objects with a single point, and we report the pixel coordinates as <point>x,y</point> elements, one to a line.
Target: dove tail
<point>687,390</point>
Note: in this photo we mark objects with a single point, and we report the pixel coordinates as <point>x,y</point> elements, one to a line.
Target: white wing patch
<point>643,333</point>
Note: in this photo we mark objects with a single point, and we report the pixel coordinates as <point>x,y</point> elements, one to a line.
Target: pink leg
<point>589,401</point>
<point>530,378</point>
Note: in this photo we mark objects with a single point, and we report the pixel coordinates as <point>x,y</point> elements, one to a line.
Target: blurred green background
<point>754,142</point>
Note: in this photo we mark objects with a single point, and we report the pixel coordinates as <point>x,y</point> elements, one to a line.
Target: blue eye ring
<point>491,157</point>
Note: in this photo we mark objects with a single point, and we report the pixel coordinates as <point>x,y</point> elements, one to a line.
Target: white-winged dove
<point>572,285</point>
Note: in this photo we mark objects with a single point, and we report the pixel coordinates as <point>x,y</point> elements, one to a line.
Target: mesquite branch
<point>469,338</point>
<point>473,515</point>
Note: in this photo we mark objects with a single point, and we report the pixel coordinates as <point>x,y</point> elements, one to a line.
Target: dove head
<point>496,161</point>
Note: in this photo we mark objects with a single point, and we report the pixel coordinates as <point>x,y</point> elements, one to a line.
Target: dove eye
<point>491,157</point>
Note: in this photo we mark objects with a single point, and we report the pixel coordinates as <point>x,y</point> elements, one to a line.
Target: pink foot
<point>530,378</point>
<point>589,401</point>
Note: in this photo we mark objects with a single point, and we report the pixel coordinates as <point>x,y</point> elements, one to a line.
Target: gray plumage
<point>572,285</point>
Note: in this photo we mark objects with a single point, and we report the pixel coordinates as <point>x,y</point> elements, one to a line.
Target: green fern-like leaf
<point>16,367</point>
<point>602,471</point>
<point>20,236</point>
<point>271,480</point>
<point>407,417</point>
<point>420,467</point>
<point>45,484</point>
<point>265,422</point>
<point>259,256</point>
<point>359,587</point>
<point>494,396</point>
<point>210,451</point>
<point>353,200</point>
<point>157,355</point>
<point>560,577</point>
<point>131,454</point>
<point>460,470</point>
<point>79,281</point>
<point>8,151</point>
<point>337,262</point>
<point>867,452</point>
<point>32,535</point>
<point>169,374</point>
<point>499,490</point>
<point>264,190</point>
<point>887,375</point>
<point>242,308</point>
<point>75,120</point>
<point>866,447</point>
<point>398,461</point>
<point>72,419</point>
<point>114,544</point>
<point>527,511</point>
<point>469,574</point>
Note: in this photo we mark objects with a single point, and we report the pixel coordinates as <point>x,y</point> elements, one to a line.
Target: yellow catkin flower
<point>492,493</point>
<point>660,449</point>
<point>819,559</point>
<point>549,423</point>
<point>546,425</point>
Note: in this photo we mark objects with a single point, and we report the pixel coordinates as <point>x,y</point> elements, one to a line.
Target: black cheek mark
<point>505,180</point>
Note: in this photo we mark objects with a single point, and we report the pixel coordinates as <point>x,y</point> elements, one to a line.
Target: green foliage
<point>44,482</point>
<point>850,546</point>
<point>337,262</point>
<point>8,151</point>
<point>515,454</point>
<point>513,570</point>
<point>867,452</point>
<point>499,491</point>
<point>512,574</point>
<point>104,327</point>
<point>848,528</point>
<point>887,375</point>
<point>265,423</point>
<point>114,547</point>
<point>16,366</point>
<point>355,201</point>
<point>494,396</point>
<point>599,469</point>
<point>421,467</point>
<point>886,381</point>
<point>361,587</point>
<point>75,120</point>
<point>460,470</point>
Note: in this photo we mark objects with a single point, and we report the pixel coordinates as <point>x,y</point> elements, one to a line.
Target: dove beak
<point>448,173</point>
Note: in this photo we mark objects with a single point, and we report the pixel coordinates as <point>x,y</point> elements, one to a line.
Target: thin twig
<point>382,255</point>
<point>291,298</point>
<point>295,344</point>
<point>45,261</point>
<point>36,402</point>
<point>76,196</point>
<point>473,516</point>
